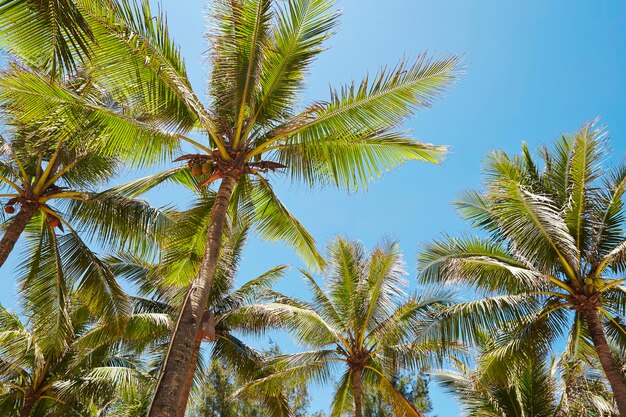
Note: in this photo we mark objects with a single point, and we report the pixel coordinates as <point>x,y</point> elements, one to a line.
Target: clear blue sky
<point>535,68</point>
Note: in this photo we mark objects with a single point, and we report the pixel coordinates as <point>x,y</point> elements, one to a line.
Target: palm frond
<point>274,222</point>
<point>341,401</point>
<point>237,42</point>
<point>44,288</point>
<point>139,63</point>
<point>301,27</point>
<point>533,223</point>
<point>118,222</point>
<point>97,287</point>
<point>352,160</point>
<point>482,262</point>
<point>53,35</point>
<point>35,99</point>
<point>584,169</point>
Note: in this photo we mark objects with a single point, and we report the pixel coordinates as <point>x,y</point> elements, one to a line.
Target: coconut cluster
<point>199,167</point>
<point>52,220</point>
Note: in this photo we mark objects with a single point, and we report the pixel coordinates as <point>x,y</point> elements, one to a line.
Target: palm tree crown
<point>64,360</point>
<point>553,255</point>
<point>560,388</point>
<point>361,322</point>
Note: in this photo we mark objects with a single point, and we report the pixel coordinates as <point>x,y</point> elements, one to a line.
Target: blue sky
<point>534,69</point>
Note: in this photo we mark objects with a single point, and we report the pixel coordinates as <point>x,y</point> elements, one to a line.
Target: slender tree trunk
<point>29,403</point>
<point>183,342</point>
<point>15,229</point>
<point>206,331</point>
<point>611,370</point>
<point>357,392</point>
<point>184,393</point>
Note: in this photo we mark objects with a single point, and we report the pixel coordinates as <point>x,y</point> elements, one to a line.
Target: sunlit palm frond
<point>588,150</point>
<point>237,43</point>
<point>118,222</point>
<point>274,222</point>
<point>482,262</point>
<point>351,162</point>
<point>36,99</point>
<point>301,27</point>
<point>44,289</point>
<point>139,63</point>
<point>53,35</point>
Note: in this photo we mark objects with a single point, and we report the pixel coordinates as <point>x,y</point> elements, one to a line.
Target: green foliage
<point>64,370</point>
<point>558,389</point>
<point>48,34</point>
<point>360,324</point>
<point>213,397</point>
<point>550,251</point>
<point>413,387</point>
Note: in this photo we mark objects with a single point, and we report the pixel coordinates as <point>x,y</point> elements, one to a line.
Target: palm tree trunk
<point>184,393</point>
<point>357,392</point>
<point>612,372</point>
<point>29,403</point>
<point>183,344</point>
<point>15,229</point>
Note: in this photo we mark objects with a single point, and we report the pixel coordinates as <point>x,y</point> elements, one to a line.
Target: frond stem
<point>39,185</point>
<point>196,144</point>
<point>12,184</point>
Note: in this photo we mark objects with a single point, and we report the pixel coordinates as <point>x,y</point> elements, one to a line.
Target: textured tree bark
<point>29,403</point>
<point>357,392</point>
<point>180,354</point>
<point>184,393</point>
<point>611,370</point>
<point>15,229</point>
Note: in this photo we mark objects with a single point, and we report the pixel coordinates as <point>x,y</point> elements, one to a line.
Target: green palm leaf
<point>47,34</point>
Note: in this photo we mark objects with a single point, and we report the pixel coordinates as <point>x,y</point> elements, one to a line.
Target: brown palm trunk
<point>184,393</point>
<point>206,332</point>
<point>29,403</point>
<point>357,392</point>
<point>15,229</point>
<point>180,354</point>
<point>612,372</point>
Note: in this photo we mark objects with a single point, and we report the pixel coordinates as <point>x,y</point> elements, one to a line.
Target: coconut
<point>196,170</point>
<point>9,209</point>
<point>53,221</point>
<point>589,281</point>
<point>207,168</point>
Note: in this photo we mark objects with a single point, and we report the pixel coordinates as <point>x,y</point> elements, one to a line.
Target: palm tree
<point>165,284</point>
<point>64,360</point>
<point>361,323</point>
<point>43,171</point>
<point>558,389</point>
<point>260,51</point>
<point>552,257</point>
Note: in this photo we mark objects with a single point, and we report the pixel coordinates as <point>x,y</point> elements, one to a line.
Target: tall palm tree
<point>558,389</point>
<point>553,254</point>
<point>361,323</point>
<point>260,51</point>
<point>165,283</point>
